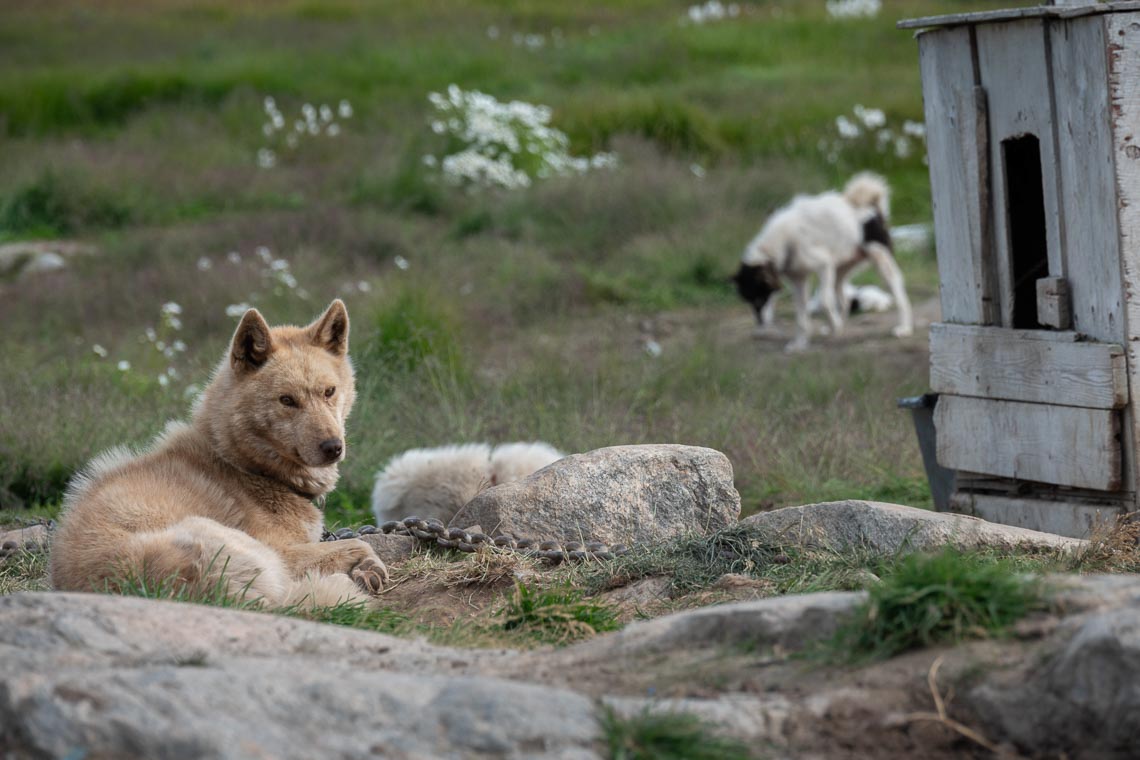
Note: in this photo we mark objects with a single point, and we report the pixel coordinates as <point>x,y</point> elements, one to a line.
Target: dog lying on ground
<point>827,235</point>
<point>228,497</point>
<point>437,482</point>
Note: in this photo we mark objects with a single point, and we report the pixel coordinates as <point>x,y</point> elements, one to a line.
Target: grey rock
<point>890,528</point>
<point>630,494</point>
<point>128,678</point>
<point>34,534</point>
<point>390,547</point>
<point>1080,698</point>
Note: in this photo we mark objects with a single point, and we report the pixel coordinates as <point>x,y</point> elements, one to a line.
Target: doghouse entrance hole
<point>1025,213</point>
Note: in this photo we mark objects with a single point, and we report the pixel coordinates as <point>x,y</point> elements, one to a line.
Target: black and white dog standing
<point>827,235</point>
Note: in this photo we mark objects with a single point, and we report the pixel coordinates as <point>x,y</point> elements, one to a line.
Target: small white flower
<point>278,121</point>
<point>288,280</point>
<point>151,335</point>
<point>266,158</point>
<point>493,32</point>
<point>191,391</point>
<point>204,264</point>
<point>279,265</point>
<point>267,129</point>
<point>99,351</point>
<point>123,365</point>
<point>326,113</point>
<point>847,129</point>
<point>174,322</point>
<point>160,346</point>
<point>914,129</point>
<point>401,262</point>
<point>169,352</point>
<point>233,257</point>
<point>170,307</point>
<point>171,372</point>
<point>653,348</point>
<point>264,254</point>
<point>178,346</point>
<point>308,112</point>
<point>364,286</point>
<point>344,109</point>
<point>430,161</point>
<point>299,126</point>
<point>697,170</point>
<point>235,310</point>
<point>269,103</point>
<point>163,380</point>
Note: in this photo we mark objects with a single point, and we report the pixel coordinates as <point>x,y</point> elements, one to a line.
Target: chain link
<point>433,532</point>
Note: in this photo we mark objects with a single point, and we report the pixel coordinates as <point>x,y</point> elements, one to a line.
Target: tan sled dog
<point>229,496</point>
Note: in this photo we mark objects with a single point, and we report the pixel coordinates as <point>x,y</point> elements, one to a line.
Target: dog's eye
<point>330,391</point>
<point>288,401</point>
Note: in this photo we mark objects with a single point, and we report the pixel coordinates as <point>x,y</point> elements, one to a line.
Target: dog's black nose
<point>332,448</point>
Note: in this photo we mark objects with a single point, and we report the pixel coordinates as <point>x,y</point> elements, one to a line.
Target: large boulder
<point>890,528</point>
<point>101,676</point>
<point>621,494</point>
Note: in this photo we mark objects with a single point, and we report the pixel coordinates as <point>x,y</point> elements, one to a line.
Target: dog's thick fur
<point>437,482</point>
<point>827,235</point>
<point>228,497</point>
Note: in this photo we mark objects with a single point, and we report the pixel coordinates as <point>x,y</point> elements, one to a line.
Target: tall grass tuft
<point>930,599</point>
<point>556,616</point>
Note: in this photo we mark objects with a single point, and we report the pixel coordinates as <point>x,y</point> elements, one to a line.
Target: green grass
<point>941,598</point>
<point>667,736</point>
<point>556,615</point>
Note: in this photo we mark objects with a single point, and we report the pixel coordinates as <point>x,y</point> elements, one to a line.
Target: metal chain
<point>433,532</point>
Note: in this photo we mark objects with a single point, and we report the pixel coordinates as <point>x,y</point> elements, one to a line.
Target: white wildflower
<point>99,351</point>
<point>430,161</point>
<point>151,335</point>
<point>169,352</point>
<point>401,262</point>
<point>872,118</point>
<point>233,257</point>
<point>263,254</point>
<point>204,264</point>
<point>123,365</point>
<point>848,129</point>
<point>344,109</point>
<point>364,286</point>
<point>697,170</point>
<point>653,348</point>
<point>326,113</point>
<point>902,147</point>
<point>854,8</point>
<point>267,129</point>
<point>278,265</point>
<point>266,158</point>
<point>163,380</point>
<point>493,32</point>
<point>160,346</point>
<point>914,129</point>
<point>178,346</point>
<point>332,130</point>
<point>235,310</point>
<point>191,391</point>
<point>172,373</point>
<point>170,307</point>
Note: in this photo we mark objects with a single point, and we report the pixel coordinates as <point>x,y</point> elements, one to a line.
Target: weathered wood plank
<point>1070,10</point>
<point>993,363</point>
<point>1122,36</point>
<point>956,147</point>
<point>1065,518</point>
<point>1063,445</point>
<point>1090,241</point>
<point>1014,70</point>
<point>1054,304</point>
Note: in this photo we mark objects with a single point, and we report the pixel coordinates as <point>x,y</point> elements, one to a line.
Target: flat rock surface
<point>889,528</point>
<point>621,494</point>
<point>134,678</point>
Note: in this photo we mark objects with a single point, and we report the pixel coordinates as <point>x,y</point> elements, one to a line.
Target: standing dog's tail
<point>867,190</point>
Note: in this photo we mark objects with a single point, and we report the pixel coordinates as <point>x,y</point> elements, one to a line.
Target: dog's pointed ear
<point>252,343</point>
<point>330,331</point>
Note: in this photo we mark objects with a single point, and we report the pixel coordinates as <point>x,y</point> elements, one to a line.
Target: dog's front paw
<point>903,331</point>
<point>370,574</point>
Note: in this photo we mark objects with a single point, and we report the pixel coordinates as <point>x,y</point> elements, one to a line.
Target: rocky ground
<point>87,675</point>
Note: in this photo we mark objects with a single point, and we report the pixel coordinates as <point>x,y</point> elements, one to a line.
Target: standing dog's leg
<point>803,319</point>
<point>890,271</point>
<point>828,283</point>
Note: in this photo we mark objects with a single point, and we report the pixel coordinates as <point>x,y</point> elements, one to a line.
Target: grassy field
<point>134,128</point>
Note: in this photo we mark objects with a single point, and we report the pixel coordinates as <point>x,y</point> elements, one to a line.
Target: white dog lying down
<point>828,235</point>
<point>437,482</point>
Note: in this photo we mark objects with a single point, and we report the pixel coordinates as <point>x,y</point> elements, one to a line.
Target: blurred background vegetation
<point>585,310</point>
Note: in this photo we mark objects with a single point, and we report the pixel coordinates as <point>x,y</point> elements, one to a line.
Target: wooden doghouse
<point>1033,138</point>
